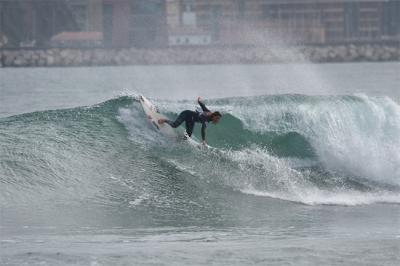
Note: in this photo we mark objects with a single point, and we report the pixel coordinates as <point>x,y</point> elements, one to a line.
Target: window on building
<point>12,25</point>
<point>80,15</point>
<point>351,20</point>
<point>270,12</point>
<point>188,5</point>
<point>146,7</point>
<point>107,24</point>
<point>391,18</point>
<point>241,8</point>
<point>146,23</point>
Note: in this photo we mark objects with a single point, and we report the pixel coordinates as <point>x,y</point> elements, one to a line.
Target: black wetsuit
<point>191,117</point>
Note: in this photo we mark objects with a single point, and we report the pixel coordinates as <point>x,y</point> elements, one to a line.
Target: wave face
<point>306,149</point>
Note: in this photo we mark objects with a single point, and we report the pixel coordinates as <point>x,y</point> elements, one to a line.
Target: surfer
<point>191,117</point>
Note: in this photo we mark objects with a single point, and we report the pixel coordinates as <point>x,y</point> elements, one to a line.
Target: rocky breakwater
<point>197,55</point>
<point>353,53</point>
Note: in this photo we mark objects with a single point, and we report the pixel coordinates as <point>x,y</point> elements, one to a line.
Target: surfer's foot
<point>161,121</point>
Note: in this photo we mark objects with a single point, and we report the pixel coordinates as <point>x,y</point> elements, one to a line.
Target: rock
<point>199,55</point>
<point>86,56</point>
<point>50,60</point>
<point>368,52</point>
<point>41,62</point>
<point>64,54</point>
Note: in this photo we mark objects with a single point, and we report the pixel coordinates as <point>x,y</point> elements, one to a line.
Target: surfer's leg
<point>189,127</point>
<point>182,117</point>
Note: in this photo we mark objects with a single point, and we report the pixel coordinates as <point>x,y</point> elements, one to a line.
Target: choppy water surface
<point>307,177</point>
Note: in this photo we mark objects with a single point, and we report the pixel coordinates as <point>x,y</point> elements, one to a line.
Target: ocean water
<point>305,168</point>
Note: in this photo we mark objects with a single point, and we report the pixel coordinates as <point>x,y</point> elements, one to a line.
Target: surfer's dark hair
<point>216,114</point>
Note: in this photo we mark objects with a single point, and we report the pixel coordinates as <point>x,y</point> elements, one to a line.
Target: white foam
<point>359,136</point>
<point>316,196</point>
<point>134,121</point>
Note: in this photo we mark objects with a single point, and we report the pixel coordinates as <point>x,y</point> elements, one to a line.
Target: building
<point>182,24</point>
<point>37,21</point>
<point>232,22</point>
<point>159,23</point>
<point>123,23</point>
<point>135,23</point>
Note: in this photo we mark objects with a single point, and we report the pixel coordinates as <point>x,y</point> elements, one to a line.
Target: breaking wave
<point>307,149</point>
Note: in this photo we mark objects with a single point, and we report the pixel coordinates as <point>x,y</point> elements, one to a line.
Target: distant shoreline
<point>67,57</point>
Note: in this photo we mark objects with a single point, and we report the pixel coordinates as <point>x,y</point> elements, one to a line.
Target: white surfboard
<point>153,115</point>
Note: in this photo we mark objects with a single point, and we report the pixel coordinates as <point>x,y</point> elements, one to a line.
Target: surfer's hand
<point>199,99</point>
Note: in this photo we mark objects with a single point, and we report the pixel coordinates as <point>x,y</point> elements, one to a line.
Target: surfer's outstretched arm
<point>202,105</point>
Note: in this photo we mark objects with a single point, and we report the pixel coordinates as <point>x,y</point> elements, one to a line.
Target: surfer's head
<point>215,117</point>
